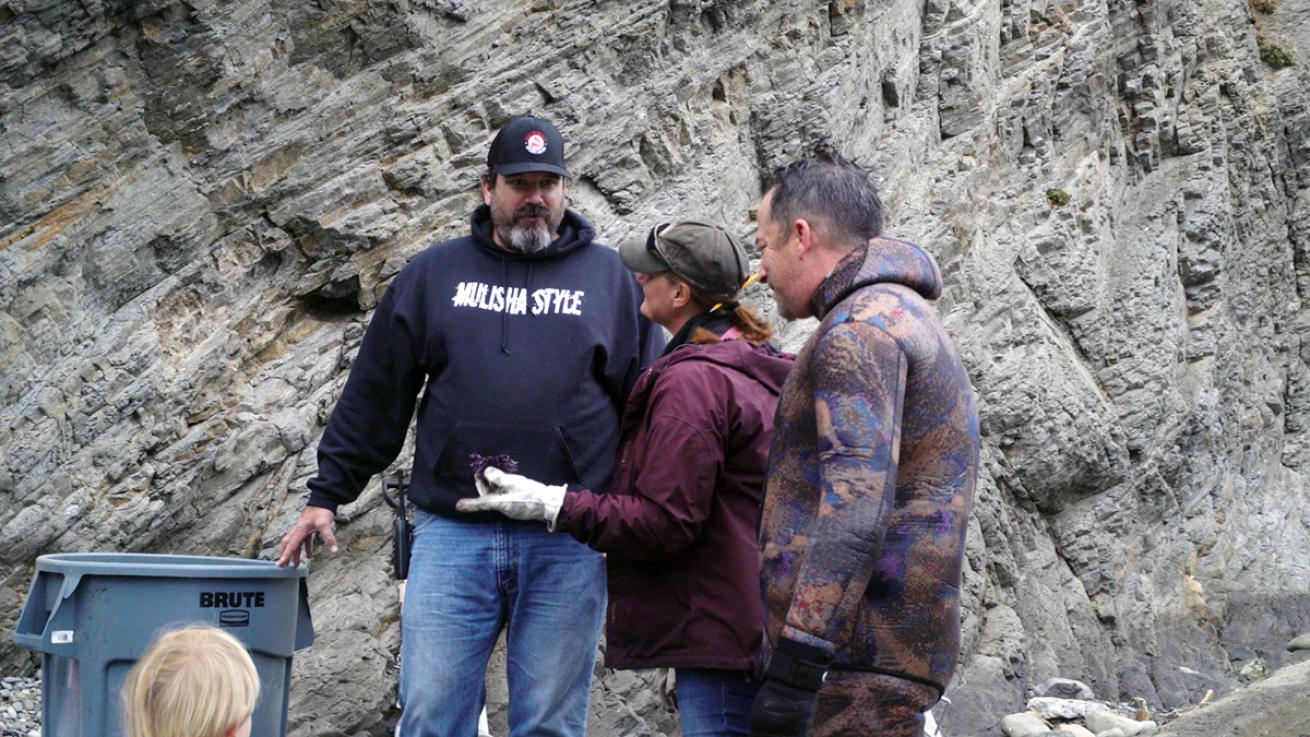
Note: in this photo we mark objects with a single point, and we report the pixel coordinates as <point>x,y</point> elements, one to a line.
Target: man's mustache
<point>532,211</point>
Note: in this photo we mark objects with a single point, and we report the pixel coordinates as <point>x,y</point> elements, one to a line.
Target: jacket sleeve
<point>673,491</point>
<point>368,426</point>
<point>860,374</point>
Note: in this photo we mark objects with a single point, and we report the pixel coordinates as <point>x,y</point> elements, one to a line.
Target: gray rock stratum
<point>200,203</point>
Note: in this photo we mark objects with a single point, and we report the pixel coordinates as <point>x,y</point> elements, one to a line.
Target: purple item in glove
<point>480,463</point>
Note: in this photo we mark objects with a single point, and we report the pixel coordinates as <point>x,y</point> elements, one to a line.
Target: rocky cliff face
<point>200,202</point>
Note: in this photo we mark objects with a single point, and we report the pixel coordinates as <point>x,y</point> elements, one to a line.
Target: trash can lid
<point>165,566</point>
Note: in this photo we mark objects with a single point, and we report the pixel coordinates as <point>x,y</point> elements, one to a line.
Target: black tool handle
<point>402,531</point>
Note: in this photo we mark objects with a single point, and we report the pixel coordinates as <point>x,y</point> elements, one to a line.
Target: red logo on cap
<point>535,142</point>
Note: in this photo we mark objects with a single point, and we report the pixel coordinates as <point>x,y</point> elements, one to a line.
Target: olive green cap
<point>705,256</point>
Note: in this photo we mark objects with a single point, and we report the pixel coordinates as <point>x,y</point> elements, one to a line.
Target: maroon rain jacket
<point>679,525</point>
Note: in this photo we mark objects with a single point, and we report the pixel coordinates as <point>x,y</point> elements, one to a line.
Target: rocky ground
<point>1274,707</point>
<point>20,707</point>
<point>1269,706</point>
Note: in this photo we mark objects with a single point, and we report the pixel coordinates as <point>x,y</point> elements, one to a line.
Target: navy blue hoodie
<point>530,355</point>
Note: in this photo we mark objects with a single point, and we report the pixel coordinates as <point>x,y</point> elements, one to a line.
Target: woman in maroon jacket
<point>679,526</point>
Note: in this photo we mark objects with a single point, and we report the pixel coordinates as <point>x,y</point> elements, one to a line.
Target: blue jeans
<point>467,581</point>
<point>715,703</point>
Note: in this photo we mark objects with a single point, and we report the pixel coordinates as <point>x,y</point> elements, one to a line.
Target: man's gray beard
<point>528,240</point>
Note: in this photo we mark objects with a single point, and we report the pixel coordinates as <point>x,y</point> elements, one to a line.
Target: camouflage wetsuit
<point>871,481</point>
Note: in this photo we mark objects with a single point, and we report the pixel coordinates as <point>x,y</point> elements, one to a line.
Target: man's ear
<point>806,238</point>
<point>486,190</point>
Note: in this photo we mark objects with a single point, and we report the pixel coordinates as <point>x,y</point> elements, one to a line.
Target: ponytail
<point>752,326</point>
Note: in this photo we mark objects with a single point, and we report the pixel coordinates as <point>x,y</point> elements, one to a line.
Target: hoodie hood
<point>880,261</point>
<point>574,233</point>
<point>763,363</point>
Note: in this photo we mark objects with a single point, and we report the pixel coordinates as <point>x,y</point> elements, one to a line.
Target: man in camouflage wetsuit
<point>871,471</point>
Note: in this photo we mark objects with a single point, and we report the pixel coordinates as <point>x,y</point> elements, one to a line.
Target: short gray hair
<point>836,193</point>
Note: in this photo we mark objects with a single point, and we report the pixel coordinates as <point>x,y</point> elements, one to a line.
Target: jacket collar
<point>715,322</point>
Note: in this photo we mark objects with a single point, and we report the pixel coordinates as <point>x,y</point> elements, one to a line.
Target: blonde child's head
<point>193,682</point>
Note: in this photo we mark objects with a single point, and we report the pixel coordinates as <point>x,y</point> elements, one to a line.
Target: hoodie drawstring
<point>504,314</point>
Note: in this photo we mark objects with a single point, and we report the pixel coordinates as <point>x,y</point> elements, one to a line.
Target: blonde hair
<point>197,681</point>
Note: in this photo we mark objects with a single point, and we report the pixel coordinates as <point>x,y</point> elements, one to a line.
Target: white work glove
<point>667,680</point>
<point>516,497</point>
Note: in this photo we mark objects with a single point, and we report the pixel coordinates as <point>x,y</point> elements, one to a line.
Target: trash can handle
<point>36,626</point>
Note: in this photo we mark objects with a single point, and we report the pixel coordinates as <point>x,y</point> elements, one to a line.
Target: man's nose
<point>536,195</point>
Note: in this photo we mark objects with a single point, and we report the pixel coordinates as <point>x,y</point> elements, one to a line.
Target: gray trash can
<point>91,615</point>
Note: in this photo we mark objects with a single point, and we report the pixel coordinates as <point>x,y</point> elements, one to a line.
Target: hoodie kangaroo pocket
<point>539,451</point>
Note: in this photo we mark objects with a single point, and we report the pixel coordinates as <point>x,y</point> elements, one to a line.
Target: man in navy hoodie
<point>524,338</point>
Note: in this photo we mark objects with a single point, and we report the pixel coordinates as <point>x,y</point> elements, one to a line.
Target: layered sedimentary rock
<point>201,202</point>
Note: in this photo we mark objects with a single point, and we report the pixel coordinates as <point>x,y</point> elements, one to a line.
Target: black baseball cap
<point>527,144</point>
<point>705,256</point>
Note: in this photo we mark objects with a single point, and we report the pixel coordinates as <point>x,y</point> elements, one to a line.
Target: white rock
<point>1253,670</point>
<point>1102,720</point>
<point>1023,725</point>
<point>1061,708</point>
<point>1111,733</point>
<point>1074,730</point>
<point>1300,643</point>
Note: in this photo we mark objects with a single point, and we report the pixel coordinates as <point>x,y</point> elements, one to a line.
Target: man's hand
<point>312,520</point>
<point>516,497</point>
<point>785,704</point>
